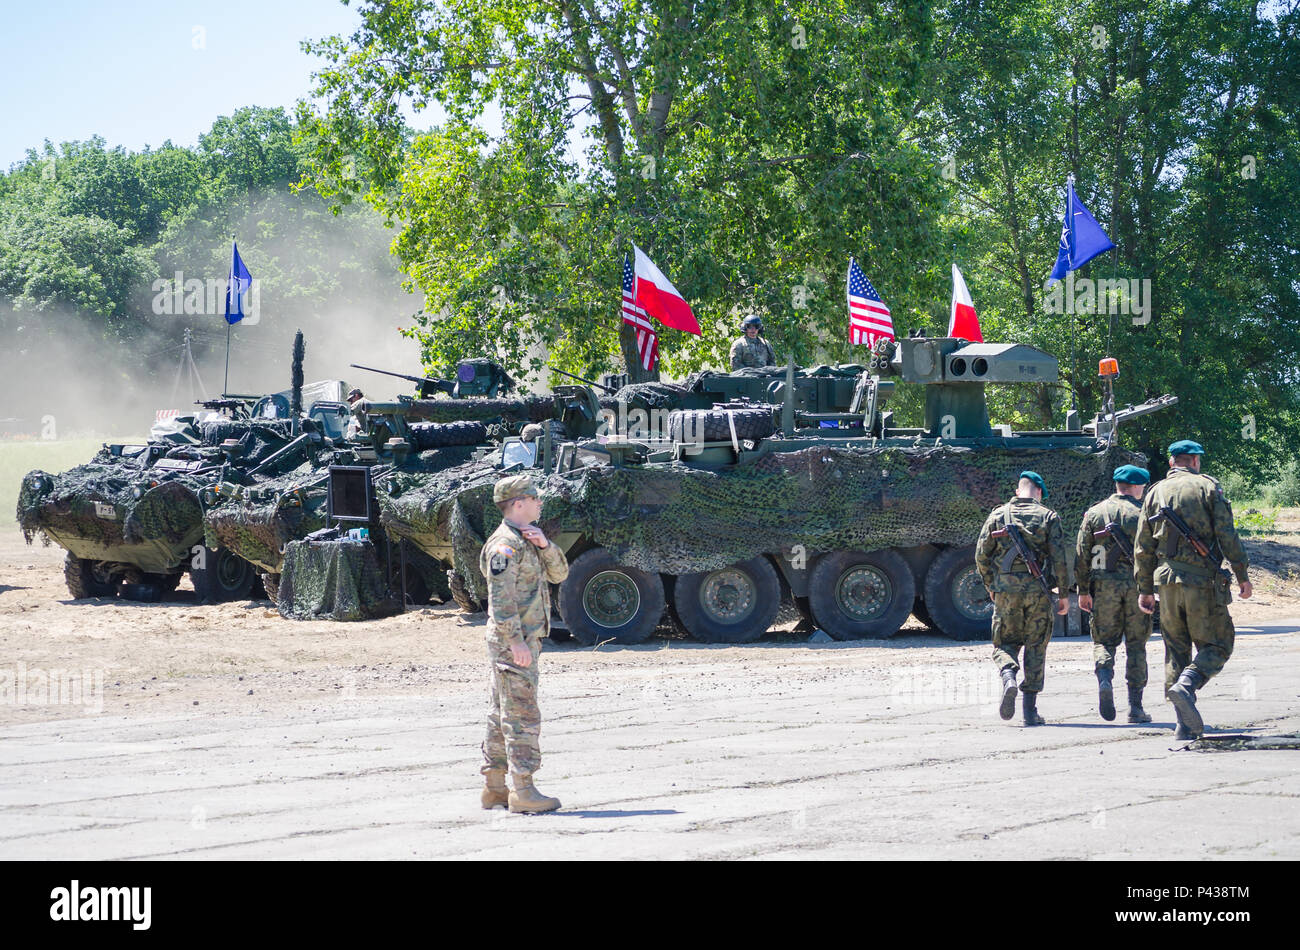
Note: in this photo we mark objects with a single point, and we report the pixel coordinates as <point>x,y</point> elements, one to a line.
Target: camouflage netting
<point>674,519</point>
<point>263,519</point>
<point>1239,743</point>
<point>76,505</point>
<point>333,580</point>
<point>645,396</point>
<point>529,409</point>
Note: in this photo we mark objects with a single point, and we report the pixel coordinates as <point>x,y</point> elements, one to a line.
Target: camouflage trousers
<point>1022,619</point>
<point>514,723</point>
<point>1195,615</point>
<point>1116,619</point>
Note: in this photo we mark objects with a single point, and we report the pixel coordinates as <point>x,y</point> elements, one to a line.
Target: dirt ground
<point>241,670</point>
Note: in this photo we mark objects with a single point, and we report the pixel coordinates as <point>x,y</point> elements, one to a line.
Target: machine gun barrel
<point>426,384</point>
<point>587,382</point>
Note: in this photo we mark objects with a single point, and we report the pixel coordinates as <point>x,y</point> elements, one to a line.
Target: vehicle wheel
<point>271,584</point>
<point>602,600</point>
<point>224,576</point>
<point>85,580</point>
<point>441,435</point>
<point>460,593</point>
<point>856,595</point>
<point>734,604</point>
<point>956,598</point>
<point>713,425</point>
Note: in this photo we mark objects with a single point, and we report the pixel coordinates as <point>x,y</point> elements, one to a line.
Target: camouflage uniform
<point>757,352</point>
<point>519,610</point>
<point>1194,592</point>
<point>1115,614</point>
<point>1022,614</point>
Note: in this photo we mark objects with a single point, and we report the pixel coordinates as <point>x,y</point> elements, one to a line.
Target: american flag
<point>869,318</point>
<point>647,340</point>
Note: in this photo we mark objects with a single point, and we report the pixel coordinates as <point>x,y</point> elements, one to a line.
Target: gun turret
<point>585,382</point>
<point>427,386</point>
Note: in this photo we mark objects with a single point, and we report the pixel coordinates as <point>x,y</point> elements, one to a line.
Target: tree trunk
<point>627,343</point>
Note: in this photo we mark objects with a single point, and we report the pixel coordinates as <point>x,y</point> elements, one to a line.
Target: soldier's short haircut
<point>1183,460</point>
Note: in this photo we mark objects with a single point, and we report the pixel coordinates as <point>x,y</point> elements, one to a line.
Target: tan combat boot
<point>525,798</point>
<point>495,793</point>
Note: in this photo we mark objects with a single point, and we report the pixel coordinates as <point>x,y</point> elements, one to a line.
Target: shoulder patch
<point>498,563</point>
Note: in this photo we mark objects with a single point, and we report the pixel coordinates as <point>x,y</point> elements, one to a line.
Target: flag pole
<point>225,386</point>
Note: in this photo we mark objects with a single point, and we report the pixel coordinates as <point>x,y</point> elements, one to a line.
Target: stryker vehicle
<point>257,521</point>
<point>130,518</point>
<point>746,503</point>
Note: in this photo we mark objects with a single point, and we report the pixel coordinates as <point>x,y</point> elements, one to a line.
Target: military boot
<point>526,798</point>
<point>1030,704</point>
<point>495,794</point>
<point>1183,695</point>
<point>1181,732</point>
<point>1008,707</point>
<point>1135,711</point>
<point>1105,694</point>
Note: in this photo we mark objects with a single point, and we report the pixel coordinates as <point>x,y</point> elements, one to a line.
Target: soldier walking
<point>518,562</point>
<point>751,349</point>
<point>1185,533</point>
<point>1107,590</point>
<point>1020,555</point>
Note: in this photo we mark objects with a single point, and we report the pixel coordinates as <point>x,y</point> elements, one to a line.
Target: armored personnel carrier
<point>397,439</point>
<point>745,503</point>
<point>131,519</point>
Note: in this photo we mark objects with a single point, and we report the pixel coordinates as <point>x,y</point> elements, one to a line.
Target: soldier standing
<point>1184,536</point>
<point>751,349</point>
<point>1107,590</point>
<point>518,562</point>
<point>1021,588</point>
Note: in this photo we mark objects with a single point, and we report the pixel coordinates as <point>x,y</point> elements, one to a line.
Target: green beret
<point>1037,480</point>
<point>1186,447</point>
<point>1132,475</point>
<point>514,486</point>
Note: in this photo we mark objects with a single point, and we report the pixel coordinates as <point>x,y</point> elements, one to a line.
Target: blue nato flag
<point>237,287</point>
<point>1082,238</point>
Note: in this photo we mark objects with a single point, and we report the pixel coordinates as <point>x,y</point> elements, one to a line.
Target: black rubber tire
<point>441,435</point>
<point>271,585</point>
<point>826,577</point>
<point>758,617</point>
<point>79,574</point>
<point>953,566</point>
<point>224,577</point>
<point>712,425</point>
<point>460,593</point>
<point>586,568</point>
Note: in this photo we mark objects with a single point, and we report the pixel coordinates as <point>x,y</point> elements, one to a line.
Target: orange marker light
<point>1108,367</point>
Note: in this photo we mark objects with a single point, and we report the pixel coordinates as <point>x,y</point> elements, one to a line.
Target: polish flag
<point>656,295</point>
<point>963,323</point>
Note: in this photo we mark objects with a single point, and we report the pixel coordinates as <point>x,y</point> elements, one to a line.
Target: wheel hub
<point>970,597</point>
<point>728,595</point>
<point>863,592</point>
<point>229,570</point>
<point>611,599</point>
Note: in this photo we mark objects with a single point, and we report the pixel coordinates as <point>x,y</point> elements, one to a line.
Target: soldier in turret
<point>1021,581</point>
<point>1185,534</point>
<point>1107,590</point>
<point>751,349</point>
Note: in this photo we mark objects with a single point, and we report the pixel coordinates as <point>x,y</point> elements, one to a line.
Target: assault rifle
<point>1181,526</point>
<point>1116,534</point>
<point>1020,547</point>
<point>427,386</point>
